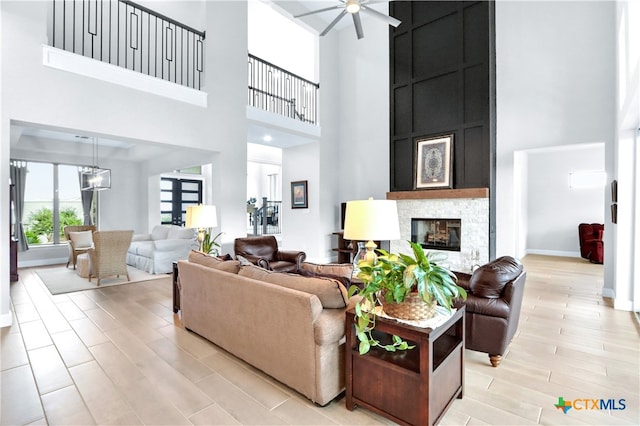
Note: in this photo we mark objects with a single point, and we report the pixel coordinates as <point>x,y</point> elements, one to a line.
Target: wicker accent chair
<point>109,254</point>
<point>75,251</point>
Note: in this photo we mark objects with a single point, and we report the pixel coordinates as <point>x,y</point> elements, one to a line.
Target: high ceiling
<point>26,137</point>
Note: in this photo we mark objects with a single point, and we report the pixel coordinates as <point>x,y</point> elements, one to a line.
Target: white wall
<point>351,160</point>
<point>622,276</point>
<point>555,69</point>
<point>364,112</point>
<point>281,41</point>
<point>554,210</point>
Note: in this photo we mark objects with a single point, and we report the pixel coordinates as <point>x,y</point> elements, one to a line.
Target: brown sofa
<point>495,292</point>
<point>263,251</point>
<point>289,326</point>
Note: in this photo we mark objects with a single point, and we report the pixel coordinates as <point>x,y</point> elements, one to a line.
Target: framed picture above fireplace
<point>433,164</point>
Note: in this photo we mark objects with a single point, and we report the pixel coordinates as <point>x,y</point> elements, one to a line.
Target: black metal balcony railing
<point>276,90</point>
<point>131,36</point>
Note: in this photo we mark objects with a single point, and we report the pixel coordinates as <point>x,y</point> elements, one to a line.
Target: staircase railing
<point>264,220</point>
<point>131,36</point>
<point>277,90</point>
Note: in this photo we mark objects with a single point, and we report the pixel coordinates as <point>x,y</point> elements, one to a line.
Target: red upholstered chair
<point>591,244</point>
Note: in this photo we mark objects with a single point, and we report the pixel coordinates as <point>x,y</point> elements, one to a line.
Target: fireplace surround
<point>469,206</point>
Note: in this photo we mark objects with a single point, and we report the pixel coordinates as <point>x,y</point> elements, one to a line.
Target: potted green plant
<point>211,245</point>
<point>393,279</point>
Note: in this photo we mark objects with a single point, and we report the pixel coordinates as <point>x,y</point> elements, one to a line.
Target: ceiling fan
<point>354,7</point>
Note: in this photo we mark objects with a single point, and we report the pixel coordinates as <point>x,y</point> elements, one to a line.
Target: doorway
<point>176,195</point>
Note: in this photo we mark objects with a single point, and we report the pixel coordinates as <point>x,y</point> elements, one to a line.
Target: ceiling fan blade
<point>358,25</point>
<point>339,6</point>
<point>333,23</point>
<point>388,19</point>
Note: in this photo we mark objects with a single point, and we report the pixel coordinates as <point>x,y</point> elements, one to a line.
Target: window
<point>595,179</point>
<point>52,201</point>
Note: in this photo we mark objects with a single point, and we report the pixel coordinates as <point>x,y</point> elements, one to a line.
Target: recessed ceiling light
<point>267,138</point>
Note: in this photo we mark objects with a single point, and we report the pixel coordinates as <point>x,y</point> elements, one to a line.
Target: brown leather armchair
<point>494,299</point>
<point>263,251</point>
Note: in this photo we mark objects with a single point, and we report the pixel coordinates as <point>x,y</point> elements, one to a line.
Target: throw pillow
<point>232,266</point>
<point>243,260</point>
<point>178,232</point>
<point>489,280</point>
<point>343,270</point>
<point>159,232</point>
<point>81,239</point>
<point>332,293</point>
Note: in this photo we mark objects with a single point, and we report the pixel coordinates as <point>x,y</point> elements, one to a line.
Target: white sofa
<point>155,252</point>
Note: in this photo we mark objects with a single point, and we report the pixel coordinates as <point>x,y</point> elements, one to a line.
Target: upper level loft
<point>134,38</point>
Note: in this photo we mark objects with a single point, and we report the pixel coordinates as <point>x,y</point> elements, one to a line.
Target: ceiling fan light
<point>353,6</point>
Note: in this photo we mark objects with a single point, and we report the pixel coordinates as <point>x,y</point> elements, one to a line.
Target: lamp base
<point>370,255</point>
<point>366,252</point>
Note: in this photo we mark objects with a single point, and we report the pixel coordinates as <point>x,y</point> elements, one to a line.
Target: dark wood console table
<point>413,387</point>
<point>176,289</point>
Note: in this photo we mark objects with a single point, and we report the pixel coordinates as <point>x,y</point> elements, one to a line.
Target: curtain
<point>87,201</point>
<point>18,176</point>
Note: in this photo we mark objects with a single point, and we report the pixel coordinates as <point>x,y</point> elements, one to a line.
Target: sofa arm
<point>296,257</point>
<point>329,327</point>
<point>488,307</point>
<point>463,279</point>
<point>141,237</point>
<point>263,263</point>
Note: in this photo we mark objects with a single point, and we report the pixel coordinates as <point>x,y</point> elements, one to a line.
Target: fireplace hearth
<point>436,234</point>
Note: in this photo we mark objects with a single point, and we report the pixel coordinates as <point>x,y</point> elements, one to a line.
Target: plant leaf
<point>364,347</point>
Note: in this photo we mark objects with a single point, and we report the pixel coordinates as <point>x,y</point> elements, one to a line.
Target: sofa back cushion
<point>160,232</point>
<point>81,239</point>
<point>489,280</point>
<point>332,293</point>
<point>232,266</point>
<point>178,232</point>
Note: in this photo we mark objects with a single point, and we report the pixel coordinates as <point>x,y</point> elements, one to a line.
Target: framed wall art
<point>299,195</point>
<point>614,191</point>
<point>433,165</point>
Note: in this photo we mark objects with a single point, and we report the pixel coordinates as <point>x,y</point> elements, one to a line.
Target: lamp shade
<point>95,179</point>
<point>201,216</point>
<point>371,220</point>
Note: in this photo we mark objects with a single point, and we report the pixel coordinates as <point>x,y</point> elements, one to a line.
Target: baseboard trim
<point>6,320</point>
<point>41,262</point>
<point>554,253</point>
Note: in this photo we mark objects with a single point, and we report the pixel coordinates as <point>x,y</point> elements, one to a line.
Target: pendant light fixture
<point>94,178</point>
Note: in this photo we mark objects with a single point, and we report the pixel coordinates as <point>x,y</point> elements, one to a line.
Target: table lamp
<point>202,217</point>
<point>369,220</point>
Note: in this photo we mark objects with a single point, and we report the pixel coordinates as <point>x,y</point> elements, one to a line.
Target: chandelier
<point>94,178</point>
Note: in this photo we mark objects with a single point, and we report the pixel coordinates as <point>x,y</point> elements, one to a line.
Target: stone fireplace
<point>468,206</point>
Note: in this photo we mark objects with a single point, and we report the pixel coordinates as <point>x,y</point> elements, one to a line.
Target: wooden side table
<point>413,387</point>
